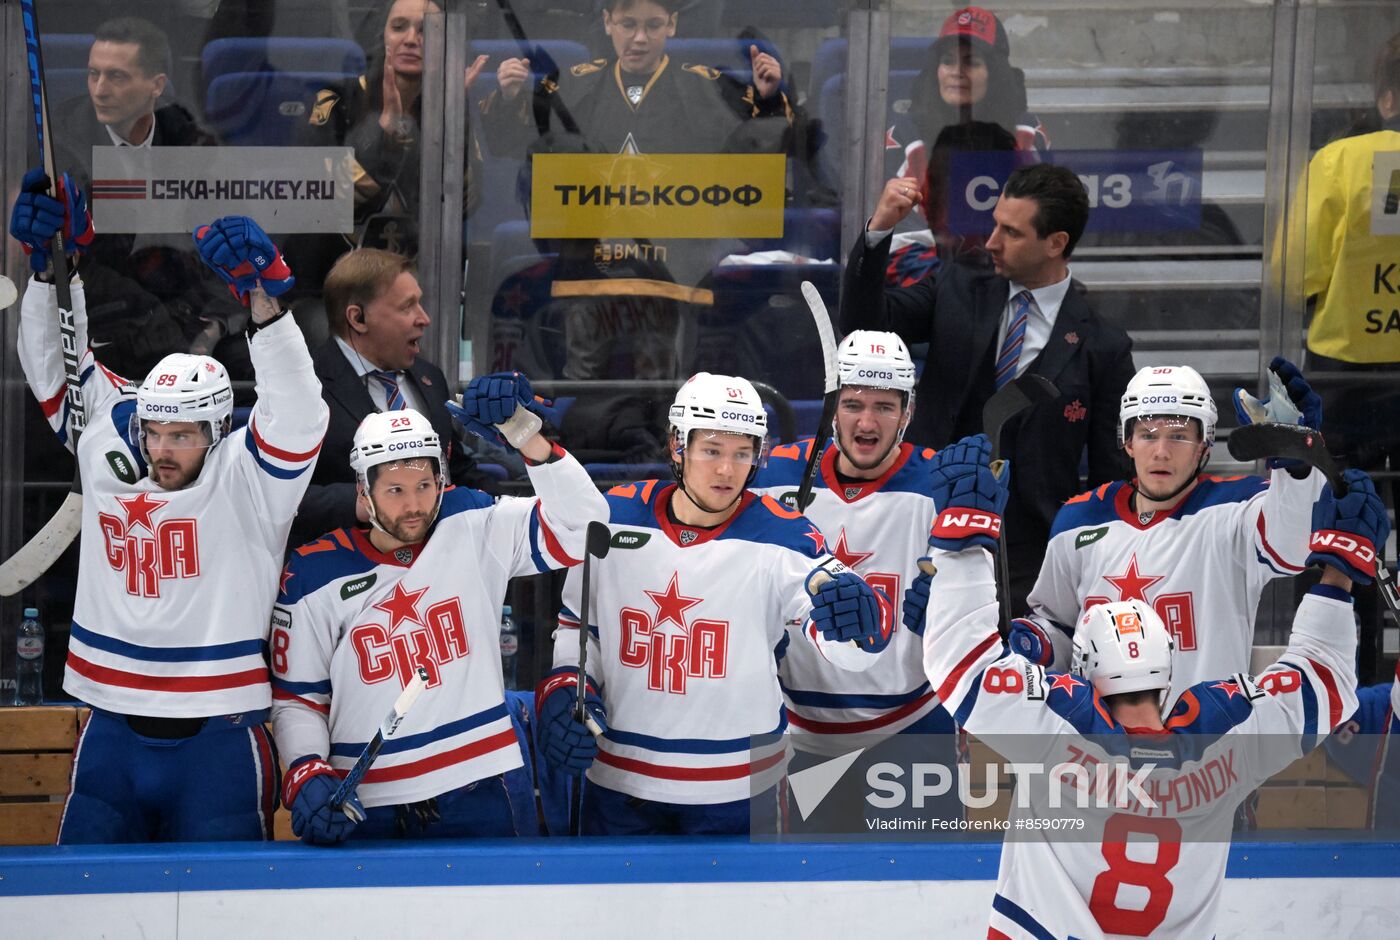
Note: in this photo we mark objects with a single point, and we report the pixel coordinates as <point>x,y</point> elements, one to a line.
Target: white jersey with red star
<point>175,587</point>
<point>1201,566</point>
<point>878,528</point>
<point>352,625</point>
<point>688,625</point>
<point>1223,737</point>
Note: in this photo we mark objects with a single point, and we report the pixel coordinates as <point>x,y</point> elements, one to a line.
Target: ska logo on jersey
<point>1177,609</point>
<point>414,633</point>
<point>146,551</point>
<point>671,646</point>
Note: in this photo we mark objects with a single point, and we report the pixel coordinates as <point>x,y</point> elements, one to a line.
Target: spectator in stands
<point>985,328</point>
<point>1349,279</point>
<point>148,295</point>
<point>627,295</point>
<point>378,115</point>
<point>969,79</point>
<point>370,363</point>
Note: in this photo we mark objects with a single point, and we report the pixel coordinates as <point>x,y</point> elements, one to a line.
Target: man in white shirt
<point>372,363</point>
<point>987,326</point>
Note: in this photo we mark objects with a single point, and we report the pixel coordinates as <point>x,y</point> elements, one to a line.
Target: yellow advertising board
<point>672,195</point>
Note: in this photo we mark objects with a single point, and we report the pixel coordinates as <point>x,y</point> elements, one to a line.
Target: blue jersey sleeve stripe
<point>843,700</point>
<point>1021,917</point>
<point>1309,706</point>
<point>689,745</point>
<point>167,654</point>
<point>302,688</point>
<point>535,555</point>
<point>440,733</point>
<point>271,469</point>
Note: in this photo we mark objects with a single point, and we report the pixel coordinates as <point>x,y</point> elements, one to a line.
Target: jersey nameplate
<point>350,588</point>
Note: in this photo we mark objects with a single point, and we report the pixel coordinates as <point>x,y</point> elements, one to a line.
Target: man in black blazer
<point>986,326</point>
<point>371,363</point>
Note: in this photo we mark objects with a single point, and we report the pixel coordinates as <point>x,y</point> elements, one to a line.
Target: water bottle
<point>510,647</point>
<point>29,659</point>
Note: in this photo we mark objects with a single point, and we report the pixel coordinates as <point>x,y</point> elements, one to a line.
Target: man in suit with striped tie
<point>371,363</point>
<point>986,327</point>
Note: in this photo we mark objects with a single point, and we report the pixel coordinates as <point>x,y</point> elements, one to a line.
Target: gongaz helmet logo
<point>1127,622</point>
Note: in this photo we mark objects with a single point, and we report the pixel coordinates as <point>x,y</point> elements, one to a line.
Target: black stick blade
<point>1285,441</point>
<point>598,540</point>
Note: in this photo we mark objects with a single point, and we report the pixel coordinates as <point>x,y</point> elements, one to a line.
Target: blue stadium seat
<point>729,55</point>
<point>801,14</point>
<point>264,109</point>
<point>566,54</point>
<point>907,53</point>
<point>63,84</point>
<point>759,326</point>
<point>833,115</point>
<point>281,54</point>
<point>65,51</point>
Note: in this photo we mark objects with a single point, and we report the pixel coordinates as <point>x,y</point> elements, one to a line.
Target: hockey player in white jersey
<point>184,526</point>
<point>1141,876</point>
<point>1196,548</point>
<point>870,498</point>
<point>704,588</point>
<point>361,609</point>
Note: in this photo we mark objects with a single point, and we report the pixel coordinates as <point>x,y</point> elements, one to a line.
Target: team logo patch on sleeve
<point>630,539</point>
<point>1090,536</point>
<point>121,465</point>
<point>350,588</point>
<point>281,618</point>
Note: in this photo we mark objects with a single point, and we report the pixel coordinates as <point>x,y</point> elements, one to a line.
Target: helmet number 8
<point>1132,649</point>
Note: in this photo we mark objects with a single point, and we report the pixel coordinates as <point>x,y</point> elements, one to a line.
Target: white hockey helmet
<point>1167,390</point>
<point>875,359</point>
<point>186,387</point>
<point>724,403</point>
<point>1123,647</point>
<point>390,436</point>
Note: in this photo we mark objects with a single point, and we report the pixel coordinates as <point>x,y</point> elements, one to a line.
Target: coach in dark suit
<point>371,363</point>
<point>987,327</point>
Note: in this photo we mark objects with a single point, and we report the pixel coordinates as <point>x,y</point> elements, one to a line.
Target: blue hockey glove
<point>969,498</point>
<point>37,216</point>
<point>1030,640</point>
<point>240,252</point>
<point>567,743</point>
<point>1291,400</point>
<point>1348,532</point>
<point>916,602</point>
<point>307,790</point>
<point>490,400</point>
<point>846,608</point>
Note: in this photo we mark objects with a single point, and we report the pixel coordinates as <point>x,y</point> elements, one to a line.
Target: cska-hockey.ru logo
<point>431,639</point>
<point>698,649</point>
<point>169,549</point>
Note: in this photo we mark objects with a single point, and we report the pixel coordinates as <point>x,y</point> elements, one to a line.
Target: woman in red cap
<point>968,97</point>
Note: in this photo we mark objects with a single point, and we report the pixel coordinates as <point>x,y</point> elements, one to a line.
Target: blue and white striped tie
<point>393,395</point>
<point>1010,353</point>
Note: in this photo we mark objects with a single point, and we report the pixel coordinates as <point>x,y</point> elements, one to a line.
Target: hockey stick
<point>340,800</point>
<point>830,391</point>
<point>595,545</point>
<point>535,52</point>
<point>39,554</point>
<point>1294,442</point>
<point>1006,403</point>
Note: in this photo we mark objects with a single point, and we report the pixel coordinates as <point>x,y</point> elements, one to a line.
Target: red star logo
<point>286,576</point>
<point>672,604</point>
<point>1231,689</point>
<point>138,510</point>
<point>1131,585</point>
<point>843,553</point>
<point>402,605</point>
<point>1064,682</point>
<point>817,539</point>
